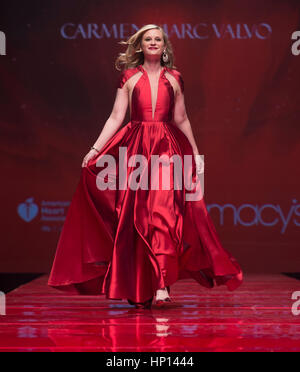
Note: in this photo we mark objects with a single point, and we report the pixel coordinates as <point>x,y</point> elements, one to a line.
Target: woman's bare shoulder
<point>124,75</point>
<point>178,76</point>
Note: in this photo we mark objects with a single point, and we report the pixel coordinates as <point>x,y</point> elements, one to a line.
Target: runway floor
<point>256,317</point>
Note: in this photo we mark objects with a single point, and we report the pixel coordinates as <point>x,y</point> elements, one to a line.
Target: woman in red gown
<point>135,243</point>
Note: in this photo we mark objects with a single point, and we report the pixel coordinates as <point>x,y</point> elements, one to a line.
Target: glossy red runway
<point>256,317</point>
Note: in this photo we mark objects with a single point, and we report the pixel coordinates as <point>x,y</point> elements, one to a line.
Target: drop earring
<point>165,56</point>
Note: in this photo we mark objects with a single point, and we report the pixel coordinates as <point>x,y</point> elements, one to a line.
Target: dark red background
<point>242,98</point>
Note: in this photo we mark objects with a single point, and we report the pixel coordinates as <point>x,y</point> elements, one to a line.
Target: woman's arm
<point>115,119</point>
<point>111,125</point>
<point>182,122</point>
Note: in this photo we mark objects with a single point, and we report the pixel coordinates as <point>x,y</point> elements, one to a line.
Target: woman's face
<point>153,43</point>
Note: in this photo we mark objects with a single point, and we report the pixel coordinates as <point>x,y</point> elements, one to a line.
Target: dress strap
<point>177,75</point>
<point>125,75</point>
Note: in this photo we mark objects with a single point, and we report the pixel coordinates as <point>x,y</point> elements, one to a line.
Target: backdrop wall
<point>242,98</point>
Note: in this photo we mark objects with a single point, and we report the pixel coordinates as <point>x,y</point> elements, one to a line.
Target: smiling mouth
<point>153,48</point>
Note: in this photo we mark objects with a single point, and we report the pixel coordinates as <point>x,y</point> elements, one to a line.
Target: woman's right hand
<point>90,155</point>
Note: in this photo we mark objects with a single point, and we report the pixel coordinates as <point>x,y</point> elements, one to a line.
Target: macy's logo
<point>268,215</point>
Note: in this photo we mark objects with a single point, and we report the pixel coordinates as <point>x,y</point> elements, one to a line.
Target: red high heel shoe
<point>166,301</point>
<point>141,305</point>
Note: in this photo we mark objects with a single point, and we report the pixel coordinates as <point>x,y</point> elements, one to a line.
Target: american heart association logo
<point>28,210</point>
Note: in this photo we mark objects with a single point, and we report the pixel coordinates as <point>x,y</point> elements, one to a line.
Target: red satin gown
<point>128,243</point>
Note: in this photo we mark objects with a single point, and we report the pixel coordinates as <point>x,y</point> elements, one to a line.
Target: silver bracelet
<point>94,148</point>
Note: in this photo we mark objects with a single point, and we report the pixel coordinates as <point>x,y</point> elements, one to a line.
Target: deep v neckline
<point>157,91</point>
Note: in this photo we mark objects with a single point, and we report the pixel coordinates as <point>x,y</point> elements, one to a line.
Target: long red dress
<point>128,243</point>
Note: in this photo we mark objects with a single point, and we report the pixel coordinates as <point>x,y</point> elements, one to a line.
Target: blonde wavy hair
<point>134,56</point>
